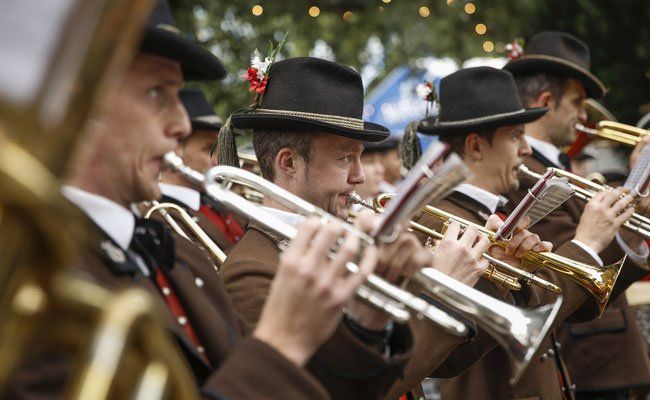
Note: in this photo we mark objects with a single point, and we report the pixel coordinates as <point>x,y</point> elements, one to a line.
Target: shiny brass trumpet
<point>586,189</point>
<point>615,131</point>
<point>498,272</point>
<point>173,214</point>
<point>518,331</point>
<point>598,281</point>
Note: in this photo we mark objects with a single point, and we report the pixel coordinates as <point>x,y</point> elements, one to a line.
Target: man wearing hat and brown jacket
<point>608,356</point>
<point>307,135</point>
<point>118,164</point>
<point>223,227</point>
<point>483,120</point>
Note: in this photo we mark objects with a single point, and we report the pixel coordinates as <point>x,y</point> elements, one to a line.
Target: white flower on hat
<point>261,66</point>
<point>423,90</point>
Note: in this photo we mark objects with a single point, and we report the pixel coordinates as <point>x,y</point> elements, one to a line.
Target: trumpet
<point>498,272</point>
<point>586,189</point>
<point>209,246</point>
<point>518,331</point>
<point>598,281</point>
<point>615,131</point>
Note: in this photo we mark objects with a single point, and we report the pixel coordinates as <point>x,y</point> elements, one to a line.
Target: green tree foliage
<point>617,31</point>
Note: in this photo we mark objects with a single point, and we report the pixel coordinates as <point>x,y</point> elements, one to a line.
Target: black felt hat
<point>312,94</point>
<point>475,99</point>
<point>385,145</point>
<point>558,53</point>
<point>162,37</point>
<point>200,111</point>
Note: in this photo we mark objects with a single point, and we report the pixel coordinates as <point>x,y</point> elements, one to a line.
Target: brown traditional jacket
<point>229,365</point>
<point>348,368</point>
<point>481,369</point>
<point>606,353</point>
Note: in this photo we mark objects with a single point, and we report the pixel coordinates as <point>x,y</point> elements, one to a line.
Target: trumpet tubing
<point>599,281</point>
<point>615,131</point>
<point>586,189</point>
<point>498,272</point>
<point>208,245</point>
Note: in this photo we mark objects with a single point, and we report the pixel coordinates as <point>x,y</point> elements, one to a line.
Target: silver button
<point>166,291</point>
<point>195,219</point>
<point>198,282</point>
<point>200,349</point>
<point>182,320</point>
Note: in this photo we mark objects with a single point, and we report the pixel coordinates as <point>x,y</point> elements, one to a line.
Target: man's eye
<point>156,93</point>
<point>347,158</point>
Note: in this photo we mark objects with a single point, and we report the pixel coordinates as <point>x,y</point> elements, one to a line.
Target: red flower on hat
<point>257,73</point>
<point>257,84</point>
<point>515,49</point>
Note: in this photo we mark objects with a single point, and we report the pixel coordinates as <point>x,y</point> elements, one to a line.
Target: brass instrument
<point>598,281</point>
<point>113,341</point>
<point>170,210</point>
<point>498,272</point>
<point>518,331</point>
<point>586,189</point>
<point>621,133</point>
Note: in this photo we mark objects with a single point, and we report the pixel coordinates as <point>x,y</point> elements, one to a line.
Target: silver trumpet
<point>518,331</point>
<point>395,302</point>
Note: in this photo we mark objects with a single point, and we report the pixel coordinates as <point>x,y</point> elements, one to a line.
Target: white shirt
<point>117,221</point>
<point>546,149</point>
<point>188,196</point>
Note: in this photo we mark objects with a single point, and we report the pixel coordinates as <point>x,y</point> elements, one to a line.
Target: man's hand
<point>521,242</point>
<point>460,257</point>
<point>310,290</point>
<point>397,261</point>
<point>602,217</point>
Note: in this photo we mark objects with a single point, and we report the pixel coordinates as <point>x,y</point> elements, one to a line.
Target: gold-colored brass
<point>615,131</point>
<point>598,281</point>
<point>585,189</point>
<point>65,67</point>
<point>173,214</point>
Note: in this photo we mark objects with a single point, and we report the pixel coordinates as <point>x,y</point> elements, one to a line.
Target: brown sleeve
<point>254,371</point>
<point>347,367</point>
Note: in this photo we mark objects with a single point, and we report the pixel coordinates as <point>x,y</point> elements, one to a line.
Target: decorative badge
<point>257,73</point>
<point>113,252</point>
<point>515,49</point>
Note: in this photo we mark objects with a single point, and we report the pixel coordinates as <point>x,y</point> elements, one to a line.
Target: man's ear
<point>286,163</point>
<point>545,99</point>
<point>473,147</point>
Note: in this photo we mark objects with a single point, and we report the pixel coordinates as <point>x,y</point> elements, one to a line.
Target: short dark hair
<point>267,144</point>
<point>457,142</point>
<point>530,86</point>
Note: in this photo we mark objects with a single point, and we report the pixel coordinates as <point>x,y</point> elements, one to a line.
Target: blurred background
<point>395,44</point>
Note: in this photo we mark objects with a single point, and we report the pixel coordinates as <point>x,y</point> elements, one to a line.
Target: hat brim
<point>371,132</point>
<point>205,126</point>
<point>541,63</point>
<point>196,62</point>
<point>429,127</point>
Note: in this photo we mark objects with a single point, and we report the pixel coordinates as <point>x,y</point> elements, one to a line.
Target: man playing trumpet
<point>554,72</point>
<point>483,120</point>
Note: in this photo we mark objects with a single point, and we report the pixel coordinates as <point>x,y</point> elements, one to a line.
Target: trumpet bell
<point>519,331</point>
